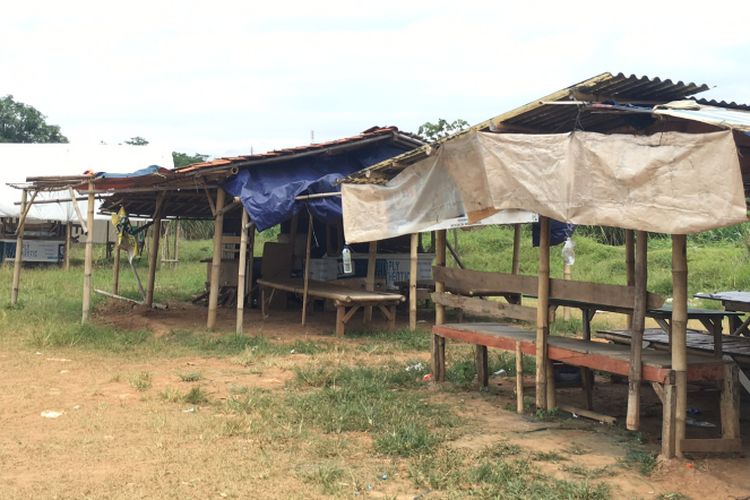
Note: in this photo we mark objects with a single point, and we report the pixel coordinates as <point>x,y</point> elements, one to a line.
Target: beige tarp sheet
<point>668,182</point>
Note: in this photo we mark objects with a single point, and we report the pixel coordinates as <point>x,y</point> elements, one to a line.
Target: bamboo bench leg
<point>392,319</point>
<point>483,375</point>
<point>519,378</point>
<point>587,379</point>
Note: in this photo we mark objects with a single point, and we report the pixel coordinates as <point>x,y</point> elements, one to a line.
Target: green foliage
<point>190,376</point>
<point>432,132</point>
<point>196,396</point>
<point>22,123</point>
<point>140,381</point>
<point>185,159</point>
<point>136,141</point>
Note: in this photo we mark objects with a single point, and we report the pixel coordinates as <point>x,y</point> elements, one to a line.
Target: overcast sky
<point>220,77</point>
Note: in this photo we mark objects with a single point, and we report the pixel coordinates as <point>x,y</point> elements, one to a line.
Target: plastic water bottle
<point>346,257</point>
<point>569,252</point>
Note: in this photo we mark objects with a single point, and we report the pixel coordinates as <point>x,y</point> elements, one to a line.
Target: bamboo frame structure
<point>213,291</point>
<point>88,256</point>
<point>153,255</point>
<point>18,262</point>
<point>679,336</point>
<point>413,261</point>
<point>241,284</point>
<point>306,279</point>
<point>629,264</point>
<point>372,255</point>
<point>542,317</point>
<point>638,319</point>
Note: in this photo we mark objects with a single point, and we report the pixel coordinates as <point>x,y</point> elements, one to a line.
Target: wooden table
<point>733,301</point>
<point>710,318</point>
<point>347,300</point>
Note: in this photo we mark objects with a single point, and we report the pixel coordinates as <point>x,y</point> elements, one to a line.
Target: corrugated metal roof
<point>566,110</point>
<point>373,134</point>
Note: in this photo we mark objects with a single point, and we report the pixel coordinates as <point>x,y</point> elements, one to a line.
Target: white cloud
<point>219,77</point>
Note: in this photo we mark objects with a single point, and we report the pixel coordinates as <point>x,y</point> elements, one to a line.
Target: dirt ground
<point>111,440</point>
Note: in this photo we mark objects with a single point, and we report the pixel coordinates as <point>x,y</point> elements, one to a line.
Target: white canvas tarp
<point>668,182</point>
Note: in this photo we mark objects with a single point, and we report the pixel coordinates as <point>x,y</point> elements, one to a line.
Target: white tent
<point>19,161</point>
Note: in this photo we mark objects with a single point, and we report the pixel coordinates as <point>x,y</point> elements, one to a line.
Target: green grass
<point>196,396</point>
<point>140,381</point>
<point>190,376</point>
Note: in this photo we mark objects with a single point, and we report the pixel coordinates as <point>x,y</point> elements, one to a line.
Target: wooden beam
<point>668,444</point>
<point>730,403</point>
<point>306,278</point>
<point>153,254</point>
<point>494,309</point>
<point>679,335</point>
<point>18,261</point>
<point>370,280</point>
<point>542,317</point>
<point>638,319</point>
<point>599,417</point>
<point>74,201</point>
<point>88,257</point>
<point>413,261</point>
<point>722,445</point>
<point>25,212</point>
<point>241,270</point>
<point>213,291</point>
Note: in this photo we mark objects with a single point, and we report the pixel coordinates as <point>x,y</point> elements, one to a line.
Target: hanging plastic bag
<point>569,252</point>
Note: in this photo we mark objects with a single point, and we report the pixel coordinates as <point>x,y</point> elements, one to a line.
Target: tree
<point>432,132</point>
<point>184,159</point>
<point>20,122</point>
<point>137,141</point>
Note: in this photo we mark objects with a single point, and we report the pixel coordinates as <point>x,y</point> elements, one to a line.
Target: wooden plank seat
<point>607,357</point>
<point>346,300</point>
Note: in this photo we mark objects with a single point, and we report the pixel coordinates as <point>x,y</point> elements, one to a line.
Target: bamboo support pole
<point>413,282</point>
<point>567,276</point>
<point>241,268</point>
<point>153,253</point>
<point>18,261</point>
<point>116,270</point>
<point>516,262</point>
<point>88,256</point>
<point>306,282</point>
<point>177,231</point>
<point>542,317</point>
<point>370,281</point>
<point>630,264</point>
<point>679,335</point>
<point>25,211</point>
<point>68,243</point>
<point>638,318</point>
<point>251,260</point>
<point>213,290</point>
<point>438,343</point>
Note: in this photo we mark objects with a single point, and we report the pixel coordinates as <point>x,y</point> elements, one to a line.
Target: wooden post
<point>482,362</point>
<point>413,282</point>
<point>668,418</point>
<point>251,252</point>
<point>88,255</point>
<point>241,266</point>
<point>18,262</point>
<point>213,290</point>
<point>587,374</point>
<point>730,402</point>
<point>516,262</point>
<point>68,243</point>
<point>370,282</point>
<point>306,280</point>
<point>679,335</point>
<point>542,317</point>
<point>153,253</point>
<point>630,264</point>
<point>633,420</point>
<point>519,378</point>
<point>438,343</point>
<point>116,270</point>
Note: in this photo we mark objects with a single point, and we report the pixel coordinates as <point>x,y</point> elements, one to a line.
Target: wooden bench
<point>346,300</point>
<point>611,358</point>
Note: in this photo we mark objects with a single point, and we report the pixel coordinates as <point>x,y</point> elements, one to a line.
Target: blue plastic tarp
<point>268,191</point>
<point>153,169</point>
